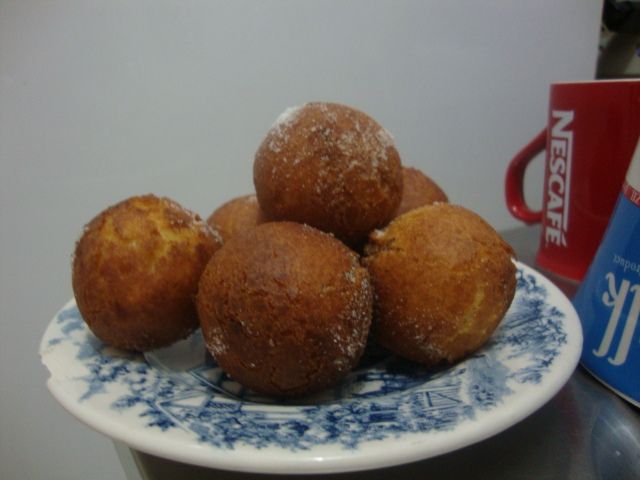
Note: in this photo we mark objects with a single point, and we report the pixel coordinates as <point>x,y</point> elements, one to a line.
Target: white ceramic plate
<point>176,403</point>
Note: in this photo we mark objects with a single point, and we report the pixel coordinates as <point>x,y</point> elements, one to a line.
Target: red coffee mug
<point>591,133</point>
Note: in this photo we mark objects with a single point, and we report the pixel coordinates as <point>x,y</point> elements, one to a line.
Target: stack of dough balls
<point>285,305</point>
<point>136,270</point>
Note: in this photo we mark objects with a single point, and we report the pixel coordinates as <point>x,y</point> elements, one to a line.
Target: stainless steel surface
<point>585,432</point>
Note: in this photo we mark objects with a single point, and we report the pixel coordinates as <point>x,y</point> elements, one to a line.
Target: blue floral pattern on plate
<point>182,389</point>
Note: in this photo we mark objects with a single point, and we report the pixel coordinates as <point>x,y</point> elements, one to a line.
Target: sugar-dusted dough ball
<point>136,269</point>
<point>285,309</point>
<point>418,190</point>
<point>330,166</point>
<point>443,280</point>
<point>236,215</point>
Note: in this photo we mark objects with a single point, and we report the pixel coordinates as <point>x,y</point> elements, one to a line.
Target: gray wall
<point>102,100</point>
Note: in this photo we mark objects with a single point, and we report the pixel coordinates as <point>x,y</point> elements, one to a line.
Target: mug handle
<point>514,181</point>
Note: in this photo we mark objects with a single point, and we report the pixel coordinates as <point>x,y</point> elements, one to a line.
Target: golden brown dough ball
<point>330,166</point>
<point>418,190</point>
<point>136,269</point>
<point>285,309</point>
<point>236,215</point>
<point>443,279</point>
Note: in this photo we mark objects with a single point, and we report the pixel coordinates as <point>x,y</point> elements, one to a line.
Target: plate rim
<point>410,447</point>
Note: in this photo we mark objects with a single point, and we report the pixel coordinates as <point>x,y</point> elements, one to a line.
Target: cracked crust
<point>136,269</point>
<point>285,309</point>
<point>443,280</point>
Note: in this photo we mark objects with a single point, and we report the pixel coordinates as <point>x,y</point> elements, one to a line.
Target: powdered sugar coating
<point>285,308</point>
<point>371,138</point>
<point>212,230</point>
<point>443,280</point>
<point>356,313</point>
<point>330,166</point>
<point>286,117</point>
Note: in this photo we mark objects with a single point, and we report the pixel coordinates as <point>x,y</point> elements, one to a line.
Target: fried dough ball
<point>136,269</point>
<point>418,190</point>
<point>443,279</point>
<point>236,215</point>
<point>329,166</point>
<point>285,309</point>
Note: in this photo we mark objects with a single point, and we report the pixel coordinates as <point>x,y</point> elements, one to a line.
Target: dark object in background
<point>619,41</point>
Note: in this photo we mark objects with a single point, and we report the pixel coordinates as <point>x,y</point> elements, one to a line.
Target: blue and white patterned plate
<point>176,403</point>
